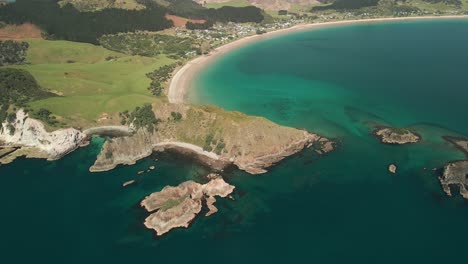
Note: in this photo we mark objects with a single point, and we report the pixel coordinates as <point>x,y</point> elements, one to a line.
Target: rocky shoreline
<point>128,150</point>
<point>253,151</point>
<point>455,174</point>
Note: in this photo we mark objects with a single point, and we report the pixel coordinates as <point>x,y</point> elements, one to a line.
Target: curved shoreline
<point>180,82</point>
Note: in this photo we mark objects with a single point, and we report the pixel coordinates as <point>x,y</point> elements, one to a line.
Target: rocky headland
<point>174,207</point>
<point>399,136</point>
<point>456,174</point>
<point>28,137</point>
<point>214,137</point>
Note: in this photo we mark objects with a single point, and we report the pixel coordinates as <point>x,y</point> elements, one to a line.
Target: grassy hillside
<point>90,80</point>
<point>235,3</point>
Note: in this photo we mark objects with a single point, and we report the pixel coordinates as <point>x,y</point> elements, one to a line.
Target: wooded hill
<point>67,22</point>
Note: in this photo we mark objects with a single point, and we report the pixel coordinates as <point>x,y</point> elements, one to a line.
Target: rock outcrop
<point>392,168</point>
<point>455,173</point>
<point>400,136</point>
<point>32,140</point>
<point>178,206</point>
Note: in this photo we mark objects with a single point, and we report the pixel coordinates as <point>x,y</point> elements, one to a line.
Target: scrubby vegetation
<point>214,145</point>
<point>45,116</point>
<point>150,45</point>
<point>159,77</point>
<point>176,116</point>
<point>207,146</point>
<point>220,147</point>
<point>12,52</point>
<point>69,23</point>
<point>141,117</point>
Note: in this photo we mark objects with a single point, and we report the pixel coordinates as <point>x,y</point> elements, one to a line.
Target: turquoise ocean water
<point>341,208</point>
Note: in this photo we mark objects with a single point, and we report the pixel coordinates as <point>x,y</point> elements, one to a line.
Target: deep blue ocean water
<point>340,208</point>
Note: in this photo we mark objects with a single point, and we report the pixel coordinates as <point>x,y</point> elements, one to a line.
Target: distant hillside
<point>94,5</point>
<point>265,4</point>
<point>70,24</point>
<point>433,5</point>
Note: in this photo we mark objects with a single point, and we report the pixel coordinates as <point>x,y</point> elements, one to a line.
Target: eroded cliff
<point>29,138</point>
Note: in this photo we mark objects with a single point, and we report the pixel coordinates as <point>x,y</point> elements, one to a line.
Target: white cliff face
<point>31,133</point>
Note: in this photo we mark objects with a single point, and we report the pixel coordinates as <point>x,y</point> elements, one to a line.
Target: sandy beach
<point>180,82</point>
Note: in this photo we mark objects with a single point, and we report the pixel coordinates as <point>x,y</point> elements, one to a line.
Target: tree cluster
<point>159,77</point>
<point>176,116</point>
<point>44,115</point>
<point>12,52</point>
<point>141,117</point>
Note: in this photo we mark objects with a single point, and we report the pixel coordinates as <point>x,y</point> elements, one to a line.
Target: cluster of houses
<point>223,33</point>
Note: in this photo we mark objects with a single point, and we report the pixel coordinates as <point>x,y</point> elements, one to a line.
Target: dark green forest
<point>235,14</point>
<point>19,86</point>
<point>70,24</point>
<point>190,9</point>
<point>347,5</point>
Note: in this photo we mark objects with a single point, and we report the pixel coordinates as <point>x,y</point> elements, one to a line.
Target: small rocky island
<point>400,136</point>
<point>177,206</point>
<point>455,173</point>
